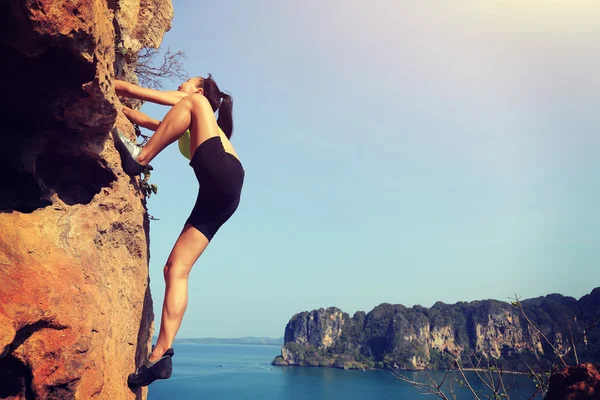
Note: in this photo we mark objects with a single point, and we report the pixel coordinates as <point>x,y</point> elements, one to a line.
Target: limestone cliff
<point>394,336</point>
<point>75,307</point>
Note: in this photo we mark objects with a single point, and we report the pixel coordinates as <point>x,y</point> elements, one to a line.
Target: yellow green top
<point>184,144</point>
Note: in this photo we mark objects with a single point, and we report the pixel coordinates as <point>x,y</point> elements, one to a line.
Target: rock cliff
<point>394,336</point>
<point>75,306</point>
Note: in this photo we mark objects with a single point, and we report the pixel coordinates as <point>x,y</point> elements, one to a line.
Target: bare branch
<point>444,379</point>
<point>451,390</point>
<point>504,390</point>
<point>541,386</point>
<point>466,381</point>
<point>152,69</point>
<point>432,388</point>
<point>589,328</point>
<point>573,344</point>
<point>518,303</point>
<point>478,369</point>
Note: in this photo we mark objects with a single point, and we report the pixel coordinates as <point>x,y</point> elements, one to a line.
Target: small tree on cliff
<point>152,66</point>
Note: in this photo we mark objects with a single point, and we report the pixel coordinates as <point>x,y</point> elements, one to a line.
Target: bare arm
<point>141,119</point>
<point>166,98</point>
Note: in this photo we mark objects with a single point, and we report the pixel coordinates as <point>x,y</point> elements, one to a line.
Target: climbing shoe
<point>148,372</point>
<point>129,152</point>
<point>170,352</point>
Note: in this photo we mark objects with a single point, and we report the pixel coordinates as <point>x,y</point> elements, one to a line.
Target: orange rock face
<point>579,382</point>
<point>75,306</point>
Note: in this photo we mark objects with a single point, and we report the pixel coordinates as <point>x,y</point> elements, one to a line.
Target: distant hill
<point>392,336</point>
<point>243,340</point>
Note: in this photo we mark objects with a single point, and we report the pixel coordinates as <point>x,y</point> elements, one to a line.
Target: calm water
<point>202,371</point>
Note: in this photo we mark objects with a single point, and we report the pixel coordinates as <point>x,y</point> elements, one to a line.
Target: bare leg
<point>172,127</point>
<point>189,246</point>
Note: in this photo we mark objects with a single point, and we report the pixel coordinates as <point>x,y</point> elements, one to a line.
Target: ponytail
<point>219,101</point>
<point>225,120</point>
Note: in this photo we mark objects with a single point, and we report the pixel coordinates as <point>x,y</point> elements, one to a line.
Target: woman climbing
<point>204,140</point>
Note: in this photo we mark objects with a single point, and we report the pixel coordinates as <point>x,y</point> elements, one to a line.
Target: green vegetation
<point>440,360</point>
<point>313,357</point>
<point>147,188</point>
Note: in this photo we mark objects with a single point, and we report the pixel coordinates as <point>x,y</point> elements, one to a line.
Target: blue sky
<point>394,153</point>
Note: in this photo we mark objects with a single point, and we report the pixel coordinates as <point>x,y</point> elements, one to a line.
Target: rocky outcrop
<point>319,328</point>
<point>139,24</point>
<point>75,305</point>
<point>393,336</point>
<point>580,382</point>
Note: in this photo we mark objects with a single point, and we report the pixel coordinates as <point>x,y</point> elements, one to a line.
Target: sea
<point>243,371</point>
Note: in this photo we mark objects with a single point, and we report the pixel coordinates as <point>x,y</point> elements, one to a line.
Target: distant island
<point>392,336</point>
<point>243,340</point>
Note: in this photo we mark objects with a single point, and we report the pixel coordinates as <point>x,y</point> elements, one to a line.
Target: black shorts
<point>221,177</point>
